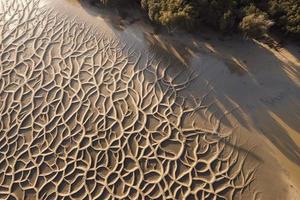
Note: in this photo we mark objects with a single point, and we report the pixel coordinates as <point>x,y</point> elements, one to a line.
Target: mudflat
<point>95,106</point>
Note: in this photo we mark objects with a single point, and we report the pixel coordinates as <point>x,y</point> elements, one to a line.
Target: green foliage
<point>255,25</point>
<point>224,15</point>
<point>220,14</point>
<point>170,12</point>
<point>286,14</point>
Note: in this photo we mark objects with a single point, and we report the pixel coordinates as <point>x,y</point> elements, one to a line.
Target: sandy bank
<point>94,105</point>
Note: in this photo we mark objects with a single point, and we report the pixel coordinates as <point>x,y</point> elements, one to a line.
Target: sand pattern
<point>86,117</point>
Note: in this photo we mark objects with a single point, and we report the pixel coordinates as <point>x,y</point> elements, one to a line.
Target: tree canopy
<point>250,16</point>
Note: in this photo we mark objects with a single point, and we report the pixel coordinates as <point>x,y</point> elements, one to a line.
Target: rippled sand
<point>86,115</point>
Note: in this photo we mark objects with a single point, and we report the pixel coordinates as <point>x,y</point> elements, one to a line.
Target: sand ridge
<point>87,117</point>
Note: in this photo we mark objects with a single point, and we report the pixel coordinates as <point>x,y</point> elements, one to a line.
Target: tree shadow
<point>261,82</point>
<point>117,17</point>
<point>264,83</point>
<point>247,75</point>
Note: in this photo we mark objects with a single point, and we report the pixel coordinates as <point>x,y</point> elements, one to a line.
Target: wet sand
<point>94,106</point>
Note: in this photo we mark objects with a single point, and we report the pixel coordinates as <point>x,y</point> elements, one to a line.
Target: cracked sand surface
<point>84,116</point>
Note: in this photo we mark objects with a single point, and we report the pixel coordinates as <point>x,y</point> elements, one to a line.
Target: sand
<point>94,106</point>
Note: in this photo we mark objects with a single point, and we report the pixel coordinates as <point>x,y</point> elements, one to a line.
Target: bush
<point>227,21</point>
<point>255,25</point>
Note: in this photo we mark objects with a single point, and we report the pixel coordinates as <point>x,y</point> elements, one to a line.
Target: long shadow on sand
<point>84,116</point>
<point>262,83</point>
<point>244,74</point>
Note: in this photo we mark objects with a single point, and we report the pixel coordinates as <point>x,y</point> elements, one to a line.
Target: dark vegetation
<point>253,17</point>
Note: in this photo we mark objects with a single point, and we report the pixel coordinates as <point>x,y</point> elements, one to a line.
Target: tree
<point>286,14</point>
<point>170,12</point>
<point>254,17</point>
